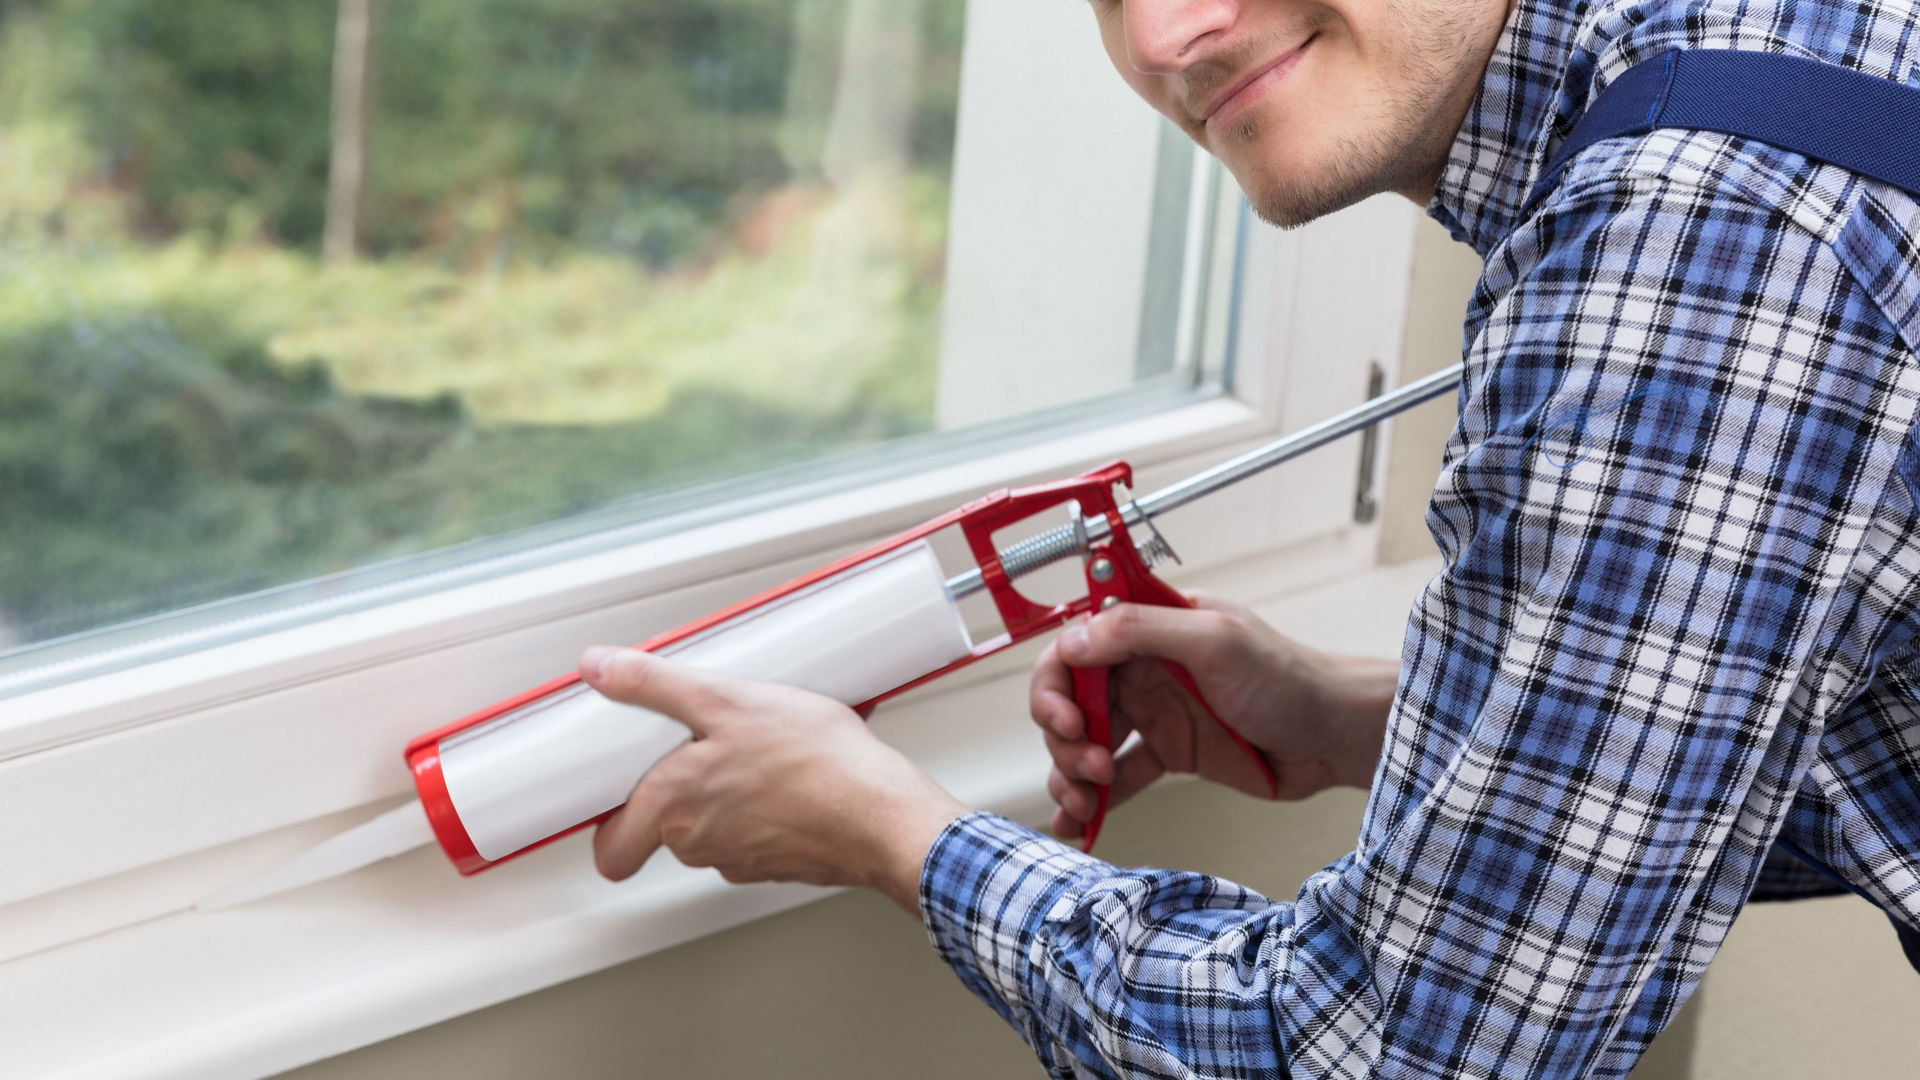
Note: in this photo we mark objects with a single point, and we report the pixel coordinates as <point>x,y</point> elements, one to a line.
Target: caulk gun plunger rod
<point>1056,544</point>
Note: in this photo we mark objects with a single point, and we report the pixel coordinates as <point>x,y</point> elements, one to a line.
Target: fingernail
<point>1074,641</point>
<point>593,662</point>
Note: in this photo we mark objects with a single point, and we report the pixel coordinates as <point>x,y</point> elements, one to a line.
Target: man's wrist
<point>1358,696</point>
<point>902,842</point>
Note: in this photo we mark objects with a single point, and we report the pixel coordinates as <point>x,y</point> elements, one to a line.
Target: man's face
<point>1312,105</point>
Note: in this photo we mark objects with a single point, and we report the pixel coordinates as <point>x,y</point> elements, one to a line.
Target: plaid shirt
<point>1675,623</point>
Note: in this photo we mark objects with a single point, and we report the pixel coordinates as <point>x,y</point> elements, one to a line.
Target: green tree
<point>501,124</point>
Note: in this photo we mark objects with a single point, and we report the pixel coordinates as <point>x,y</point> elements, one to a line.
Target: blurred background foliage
<point>602,250</point>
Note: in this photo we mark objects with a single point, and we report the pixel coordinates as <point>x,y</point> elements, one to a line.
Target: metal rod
<point>1065,541</point>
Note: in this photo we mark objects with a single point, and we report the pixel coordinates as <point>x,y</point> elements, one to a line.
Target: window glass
<point>288,290</point>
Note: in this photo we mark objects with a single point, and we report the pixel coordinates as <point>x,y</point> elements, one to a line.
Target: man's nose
<point>1164,36</point>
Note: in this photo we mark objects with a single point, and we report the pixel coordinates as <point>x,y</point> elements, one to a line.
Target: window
<point>147,762</point>
<point>331,301</point>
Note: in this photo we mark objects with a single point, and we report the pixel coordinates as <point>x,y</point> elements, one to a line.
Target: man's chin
<point>1293,183</point>
<point>1291,197</point>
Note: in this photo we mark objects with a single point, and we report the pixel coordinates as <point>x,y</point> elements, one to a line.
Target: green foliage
<point>213,114</point>
<point>631,127</point>
<point>146,455</point>
<point>606,267</point>
<point>181,423</point>
<point>207,469</point>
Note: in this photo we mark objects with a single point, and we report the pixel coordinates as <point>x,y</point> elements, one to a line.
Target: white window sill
<point>266,987</point>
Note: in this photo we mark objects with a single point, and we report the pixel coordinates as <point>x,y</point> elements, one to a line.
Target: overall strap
<point>1860,122</point>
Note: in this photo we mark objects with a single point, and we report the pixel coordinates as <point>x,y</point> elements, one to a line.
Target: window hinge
<point>1365,506</point>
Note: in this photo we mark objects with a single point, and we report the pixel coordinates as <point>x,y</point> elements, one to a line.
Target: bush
<point>566,309</point>
<point>545,123</point>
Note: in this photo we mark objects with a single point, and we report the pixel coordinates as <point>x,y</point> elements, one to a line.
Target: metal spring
<point>1155,548</point>
<point>1040,549</point>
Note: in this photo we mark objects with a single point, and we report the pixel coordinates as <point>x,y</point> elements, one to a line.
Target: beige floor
<point>849,988</point>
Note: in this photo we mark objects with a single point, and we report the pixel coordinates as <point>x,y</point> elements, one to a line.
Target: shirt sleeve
<point>1679,416</point>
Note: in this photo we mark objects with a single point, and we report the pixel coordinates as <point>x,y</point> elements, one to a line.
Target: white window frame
<point>130,794</point>
<point>128,791</point>
<point>341,695</point>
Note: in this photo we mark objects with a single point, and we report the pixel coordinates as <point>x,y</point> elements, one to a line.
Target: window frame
<point>146,788</point>
<point>265,732</point>
<point>1075,295</point>
<point>126,767</point>
<point>257,990</point>
<point>131,791</point>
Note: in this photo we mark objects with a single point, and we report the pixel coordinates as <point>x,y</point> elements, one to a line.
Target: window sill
<point>262,988</point>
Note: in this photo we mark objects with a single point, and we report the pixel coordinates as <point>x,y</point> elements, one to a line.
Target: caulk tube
<point>539,766</point>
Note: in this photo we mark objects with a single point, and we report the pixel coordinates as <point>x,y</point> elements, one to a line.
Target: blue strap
<point>1860,122</point>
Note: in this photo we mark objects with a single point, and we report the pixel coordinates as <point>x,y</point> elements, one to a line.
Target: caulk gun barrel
<point>1047,548</point>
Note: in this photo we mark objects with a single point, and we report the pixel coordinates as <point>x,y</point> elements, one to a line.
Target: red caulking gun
<point>533,768</point>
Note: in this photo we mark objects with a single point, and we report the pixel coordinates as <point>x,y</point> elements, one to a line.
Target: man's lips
<point>1227,100</point>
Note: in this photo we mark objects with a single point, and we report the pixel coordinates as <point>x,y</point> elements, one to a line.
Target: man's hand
<point>778,784</point>
<point>1318,719</point>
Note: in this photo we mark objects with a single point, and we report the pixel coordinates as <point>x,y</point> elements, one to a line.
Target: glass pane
<point>292,289</point>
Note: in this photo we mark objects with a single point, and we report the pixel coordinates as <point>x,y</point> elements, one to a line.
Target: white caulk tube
<point>545,766</point>
<point>541,765</point>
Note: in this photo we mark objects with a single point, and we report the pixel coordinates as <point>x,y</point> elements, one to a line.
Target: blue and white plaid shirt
<point>1675,623</point>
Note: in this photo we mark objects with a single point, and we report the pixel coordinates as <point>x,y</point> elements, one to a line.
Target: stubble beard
<point>1401,146</point>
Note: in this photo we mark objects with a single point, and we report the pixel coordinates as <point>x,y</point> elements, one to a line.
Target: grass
<point>185,418</point>
<point>181,421</point>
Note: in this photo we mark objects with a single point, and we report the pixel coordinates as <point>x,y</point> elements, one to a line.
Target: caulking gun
<point>535,767</point>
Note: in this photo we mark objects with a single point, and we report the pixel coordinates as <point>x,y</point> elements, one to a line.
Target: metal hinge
<point>1365,506</point>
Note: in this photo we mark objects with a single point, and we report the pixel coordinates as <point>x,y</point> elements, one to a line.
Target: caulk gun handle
<point>1090,692</point>
<point>1091,686</point>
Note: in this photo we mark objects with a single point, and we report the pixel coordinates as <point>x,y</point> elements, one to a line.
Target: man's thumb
<point>1126,631</point>
<point>691,695</point>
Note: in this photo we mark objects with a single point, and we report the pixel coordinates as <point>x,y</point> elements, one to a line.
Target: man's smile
<point>1238,96</point>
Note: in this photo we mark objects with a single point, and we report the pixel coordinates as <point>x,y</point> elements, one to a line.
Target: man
<point>1672,641</point>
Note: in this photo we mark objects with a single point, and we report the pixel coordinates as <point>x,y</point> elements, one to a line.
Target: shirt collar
<point>1521,107</point>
